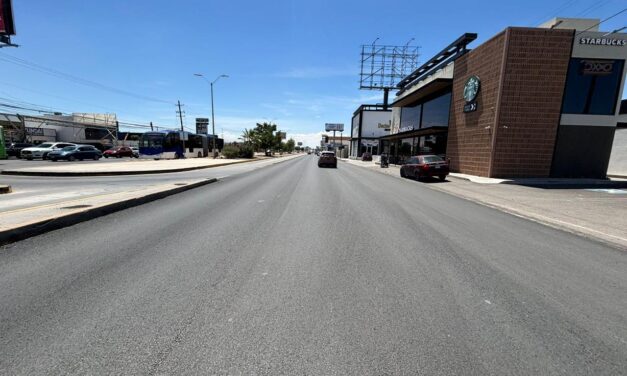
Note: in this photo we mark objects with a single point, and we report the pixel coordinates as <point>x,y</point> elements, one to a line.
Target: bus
<point>173,145</point>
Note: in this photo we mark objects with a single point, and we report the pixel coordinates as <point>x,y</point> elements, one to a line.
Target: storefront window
<point>592,86</point>
<point>436,111</point>
<point>405,149</point>
<point>410,118</point>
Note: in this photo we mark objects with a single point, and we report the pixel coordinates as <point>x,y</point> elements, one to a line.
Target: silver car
<point>42,150</point>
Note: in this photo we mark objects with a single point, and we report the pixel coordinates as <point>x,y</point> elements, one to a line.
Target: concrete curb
<point>41,227</point>
<point>5,189</point>
<point>112,173</point>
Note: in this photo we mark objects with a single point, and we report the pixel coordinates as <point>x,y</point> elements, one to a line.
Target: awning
<point>416,133</point>
<point>432,87</point>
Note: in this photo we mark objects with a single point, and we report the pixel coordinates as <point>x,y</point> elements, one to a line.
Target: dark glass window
<point>410,118</point>
<point>435,112</point>
<point>592,86</point>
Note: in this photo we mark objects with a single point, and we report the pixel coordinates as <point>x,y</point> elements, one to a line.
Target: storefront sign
<point>406,128</point>
<point>603,42</point>
<point>471,89</point>
<point>385,126</point>
<point>597,67</point>
<point>470,107</point>
<point>34,131</point>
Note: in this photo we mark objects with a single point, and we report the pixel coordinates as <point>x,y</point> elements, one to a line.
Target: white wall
<point>618,159</point>
<point>372,120</point>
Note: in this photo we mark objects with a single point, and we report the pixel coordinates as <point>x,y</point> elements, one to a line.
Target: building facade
<point>528,102</point>
<point>369,123</point>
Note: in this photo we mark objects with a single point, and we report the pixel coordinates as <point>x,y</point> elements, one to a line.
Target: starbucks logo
<point>471,88</point>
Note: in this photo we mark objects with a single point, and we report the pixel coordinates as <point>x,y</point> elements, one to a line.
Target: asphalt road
<point>291,269</point>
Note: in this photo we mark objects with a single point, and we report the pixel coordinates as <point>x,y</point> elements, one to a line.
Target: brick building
<point>528,102</point>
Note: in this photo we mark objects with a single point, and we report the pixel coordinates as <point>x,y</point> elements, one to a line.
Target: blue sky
<point>292,62</point>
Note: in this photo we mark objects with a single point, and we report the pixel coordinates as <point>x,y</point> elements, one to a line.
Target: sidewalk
<point>598,213</point>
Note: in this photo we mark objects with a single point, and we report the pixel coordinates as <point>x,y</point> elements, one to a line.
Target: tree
<point>263,136</point>
<point>248,135</point>
<point>289,145</point>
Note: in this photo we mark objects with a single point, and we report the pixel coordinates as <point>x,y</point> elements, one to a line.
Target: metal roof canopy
<point>452,51</point>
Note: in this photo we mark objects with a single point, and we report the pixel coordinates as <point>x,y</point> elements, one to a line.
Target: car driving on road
<point>327,158</point>
<point>42,150</point>
<point>76,152</point>
<point>425,166</point>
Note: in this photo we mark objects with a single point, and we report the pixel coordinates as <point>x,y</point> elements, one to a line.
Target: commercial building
<point>528,102</point>
<point>369,123</point>
<point>95,129</point>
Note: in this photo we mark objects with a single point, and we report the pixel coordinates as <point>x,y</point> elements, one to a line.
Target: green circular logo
<point>471,88</point>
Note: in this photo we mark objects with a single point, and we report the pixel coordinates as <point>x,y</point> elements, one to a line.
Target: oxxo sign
<point>597,67</point>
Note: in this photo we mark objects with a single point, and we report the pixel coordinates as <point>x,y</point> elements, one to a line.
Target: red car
<point>118,152</point>
<point>425,166</point>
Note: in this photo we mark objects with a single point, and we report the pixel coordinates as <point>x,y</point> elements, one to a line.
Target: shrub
<point>246,152</point>
<point>230,151</point>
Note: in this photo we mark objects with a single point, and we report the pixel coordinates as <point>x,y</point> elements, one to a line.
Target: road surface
<point>291,269</point>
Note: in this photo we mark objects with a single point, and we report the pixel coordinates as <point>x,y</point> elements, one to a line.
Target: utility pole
<point>151,127</point>
<point>180,113</point>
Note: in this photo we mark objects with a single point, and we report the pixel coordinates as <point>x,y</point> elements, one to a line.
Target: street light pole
<point>213,120</point>
<point>213,125</point>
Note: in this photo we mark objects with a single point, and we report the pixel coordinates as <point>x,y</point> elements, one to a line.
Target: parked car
<point>14,149</point>
<point>366,157</point>
<point>42,150</point>
<point>72,153</point>
<point>135,152</point>
<point>425,166</point>
<point>118,152</point>
<point>327,158</point>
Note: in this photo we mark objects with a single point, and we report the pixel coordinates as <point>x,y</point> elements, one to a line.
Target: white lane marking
<point>264,274</point>
<point>487,301</point>
<point>260,201</point>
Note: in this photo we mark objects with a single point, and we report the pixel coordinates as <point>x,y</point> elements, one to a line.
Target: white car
<point>42,150</point>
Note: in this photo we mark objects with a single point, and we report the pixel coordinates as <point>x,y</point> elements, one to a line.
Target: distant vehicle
<point>135,152</point>
<point>366,157</point>
<point>118,152</point>
<point>169,145</point>
<point>42,150</point>
<point>327,158</point>
<point>308,151</point>
<point>76,152</point>
<point>14,149</point>
<point>425,166</point>
<point>268,153</point>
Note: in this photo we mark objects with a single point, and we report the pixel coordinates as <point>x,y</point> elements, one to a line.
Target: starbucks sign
<point>471,89</point>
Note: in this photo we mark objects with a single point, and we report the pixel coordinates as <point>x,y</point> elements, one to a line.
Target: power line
<point>596,5</point>
<point>556,12</point>
<point>57,96</point>
<point>68,77</point>
<point>600,22</point>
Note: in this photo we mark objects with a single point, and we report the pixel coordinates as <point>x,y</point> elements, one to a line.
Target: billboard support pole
<point>386,92</point>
